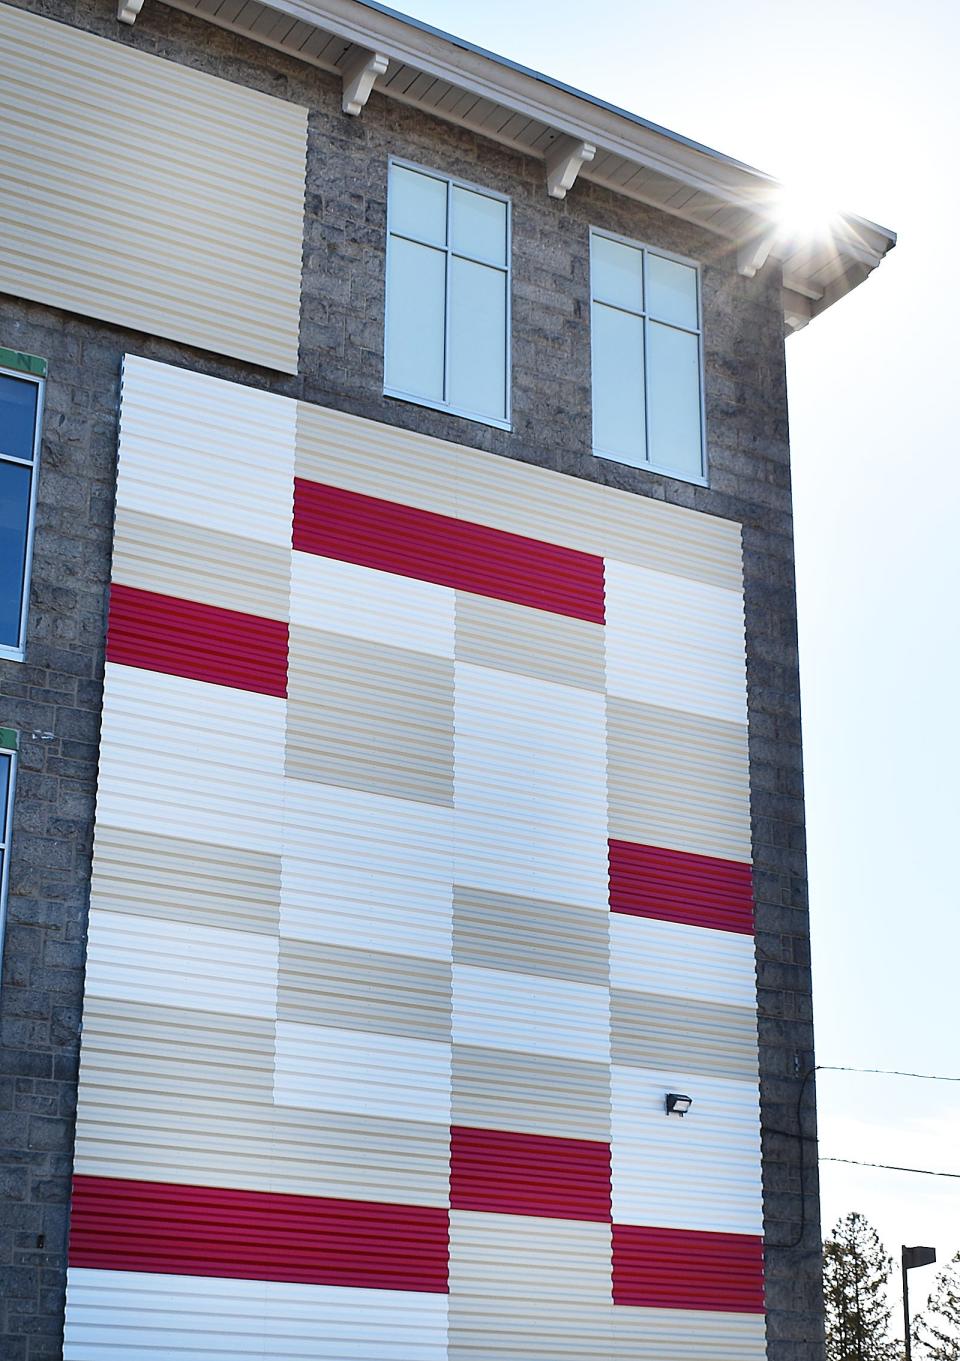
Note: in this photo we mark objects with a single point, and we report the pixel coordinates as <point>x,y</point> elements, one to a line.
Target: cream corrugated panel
<point>495,1009</point>
<point>362,1073</point>
<point>682,961</point>
<point>186,759</point>
<point>530,1093</point>
<point>702,1172</point>
<point>508,637</point>
<point>686,1335</point>
<point>527,935</point>
<point>205,452</point>
<point>187,1096</point>
<point>119,1315</point>
<point>675,642</point>
<point>366,871</point>
<point>524,1287</point>
<point>531,799</point>
<point>380,460</point>
<point>678,780</point>
<point>654,1031</point>
<point>183,217</point>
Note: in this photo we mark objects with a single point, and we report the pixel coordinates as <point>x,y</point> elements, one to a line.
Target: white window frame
<point>8,747</point>
<point>647,464</point>
<point>452,181</point>
<point>17,651</point>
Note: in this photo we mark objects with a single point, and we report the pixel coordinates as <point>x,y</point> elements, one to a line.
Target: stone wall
<point>57,689</point>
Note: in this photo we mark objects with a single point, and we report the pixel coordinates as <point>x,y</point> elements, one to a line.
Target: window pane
<point>5,763</point>
<point>478,226</point>
<point>618,385</point>
<point>478,339</point>
<point>18,416</point>
<point>418,206</point>
<point>14,518</point>
<point>617,273</point>
<point>671,291</point>
<point>413,360</point>
<point>673,374</point>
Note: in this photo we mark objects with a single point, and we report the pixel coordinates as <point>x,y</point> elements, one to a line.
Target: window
<point>8,763</point>
<point>448,296</point>
<point>21,390</point>
<point>647,385</point>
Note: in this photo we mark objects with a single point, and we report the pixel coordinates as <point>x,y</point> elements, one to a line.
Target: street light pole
<point>909,1258</point>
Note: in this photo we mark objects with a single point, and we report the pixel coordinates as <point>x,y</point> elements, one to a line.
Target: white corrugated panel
<point>530,782</point>
<point>376,606</point>
<point>140,1316</point>
<point>206,452</point>
<point>360,1072</point>
<point>699,1172</point>
<point>500,1010</point>
<point>682,961</point>
<point>675,642</point>
<point>187,218</point>
<point>191,760</point>
<point>181,964</point>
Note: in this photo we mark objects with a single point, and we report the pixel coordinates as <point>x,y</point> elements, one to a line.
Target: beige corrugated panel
<point>149,194</point>
<point>333,985</point>
<point>526,935</point>
<point>653,1031</point>
<point>686,1335</point>
<point>530,1093</point>
<point>524,1287</point>
<point>154,553</point>
<point>678,780</point>
<point>170,1094</point>
<point>163,876</point>
<point>399,465</point>
<point>511,637</point>
<point>370,717</point>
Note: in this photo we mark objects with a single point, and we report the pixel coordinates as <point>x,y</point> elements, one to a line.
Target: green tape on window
<point>23,363</point>
<point>9,739</point>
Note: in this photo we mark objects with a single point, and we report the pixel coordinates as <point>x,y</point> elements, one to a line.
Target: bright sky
<point>859,97</point>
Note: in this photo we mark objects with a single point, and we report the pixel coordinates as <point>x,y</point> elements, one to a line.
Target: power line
<point>885,1072</point>
<point>892,1167</point>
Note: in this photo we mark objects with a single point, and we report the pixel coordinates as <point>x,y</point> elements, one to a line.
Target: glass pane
<point>478,226</point>
<point>5,764</point>
<point>413,359</point>
<point>673,414</point>
<point>617,273</point>
<point>671,291</point>
<point>418,206</point>
<point>618,385</point>
<point>18,416</point>
<point>478,339</point>
<point>14,518</point>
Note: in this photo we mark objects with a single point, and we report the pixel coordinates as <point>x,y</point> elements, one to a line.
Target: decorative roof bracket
<point>359,74</point>
<point>564,160</point>
<point>753,254</point>
<point>127,11</point>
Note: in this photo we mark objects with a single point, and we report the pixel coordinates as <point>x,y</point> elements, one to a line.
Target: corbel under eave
<point>359,75</point>
<point>564,160</point>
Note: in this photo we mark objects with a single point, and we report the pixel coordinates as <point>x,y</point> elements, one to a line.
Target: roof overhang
<point>370,46</point>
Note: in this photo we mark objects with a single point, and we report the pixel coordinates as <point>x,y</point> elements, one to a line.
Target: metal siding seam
<point>202,182</point>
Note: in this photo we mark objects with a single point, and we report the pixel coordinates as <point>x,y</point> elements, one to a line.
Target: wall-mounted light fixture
<point>677,1104</point>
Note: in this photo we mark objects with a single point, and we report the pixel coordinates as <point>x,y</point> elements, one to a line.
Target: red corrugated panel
<point>202,642</point>
<point>121,1225</point>
<point>416,543</point>
<point>684,1269</point>
<point>502,1172</point>
<point>677,886</point>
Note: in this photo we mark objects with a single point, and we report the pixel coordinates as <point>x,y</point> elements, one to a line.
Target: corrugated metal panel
<point>678,780</point>
<point>505,1172</point>
<point>671,1268</point>
<point>187,221</point>
<point>370,717</point>
<point>531,1093</point>
<point>701,1172</point>
<point>529,936</point>
<point>333,985</point>
<point>498,1010</point>
<point>126,1314</point>
<point>382,461</point>
<point>687,1335</point>
<point>682,961</point>
<point>361,1072</point>
<point>678,886</point>
<point>654,1031</point>
<point>675,642</point>
<point>508,637</point>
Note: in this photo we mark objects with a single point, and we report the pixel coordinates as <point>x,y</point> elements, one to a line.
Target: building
<point>434,802</point>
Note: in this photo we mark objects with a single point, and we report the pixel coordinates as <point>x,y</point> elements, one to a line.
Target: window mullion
<point>447,279</point>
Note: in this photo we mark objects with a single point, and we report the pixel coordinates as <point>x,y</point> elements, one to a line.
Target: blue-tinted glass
<point>14,519</point>
<point>18,416</point>
<point>5,764</point>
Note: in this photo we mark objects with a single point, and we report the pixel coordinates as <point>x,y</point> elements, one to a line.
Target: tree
<point>856,1275</point>
<point>937,1328</point>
